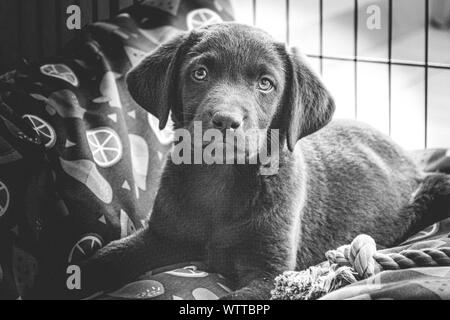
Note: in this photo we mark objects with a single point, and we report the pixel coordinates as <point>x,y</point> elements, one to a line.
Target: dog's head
<point>232,77</point>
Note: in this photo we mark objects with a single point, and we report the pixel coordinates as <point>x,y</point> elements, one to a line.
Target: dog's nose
<point>227,120</point>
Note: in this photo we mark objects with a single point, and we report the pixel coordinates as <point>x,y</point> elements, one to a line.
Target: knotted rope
<point>348,264</point>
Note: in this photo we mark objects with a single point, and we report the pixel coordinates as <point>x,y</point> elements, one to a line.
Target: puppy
<point>334,181</point>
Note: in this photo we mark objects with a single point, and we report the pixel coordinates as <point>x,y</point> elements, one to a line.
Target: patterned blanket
<point>80,163</point>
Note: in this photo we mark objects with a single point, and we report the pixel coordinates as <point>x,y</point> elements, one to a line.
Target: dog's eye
<point>200,74</point>
<point>265,85</point>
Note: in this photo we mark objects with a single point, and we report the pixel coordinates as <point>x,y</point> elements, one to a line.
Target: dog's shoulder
<point>344,130</point>
<point>350,154</point>
<point>356,141</point>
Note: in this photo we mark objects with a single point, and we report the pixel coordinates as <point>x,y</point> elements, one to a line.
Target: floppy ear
<point>153,83</point>
<point>308,104</point>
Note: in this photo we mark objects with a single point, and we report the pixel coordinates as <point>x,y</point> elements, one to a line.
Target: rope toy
<point>349,264</point>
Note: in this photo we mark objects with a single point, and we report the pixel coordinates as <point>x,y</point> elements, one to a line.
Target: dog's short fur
<point>335,183</point>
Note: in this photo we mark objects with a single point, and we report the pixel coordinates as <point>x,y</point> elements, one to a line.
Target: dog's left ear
<point>308,106</point>
<point>153,83</point>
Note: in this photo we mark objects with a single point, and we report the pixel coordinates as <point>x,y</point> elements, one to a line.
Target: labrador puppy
<point>334,181</point>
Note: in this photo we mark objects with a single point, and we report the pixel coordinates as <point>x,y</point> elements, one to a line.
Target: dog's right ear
<point>308,105</point>
<point>153,83</point>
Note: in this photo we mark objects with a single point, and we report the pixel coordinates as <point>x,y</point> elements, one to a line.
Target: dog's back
<point>357,181</point>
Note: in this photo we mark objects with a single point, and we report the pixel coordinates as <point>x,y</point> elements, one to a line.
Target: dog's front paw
<point>246,294</point>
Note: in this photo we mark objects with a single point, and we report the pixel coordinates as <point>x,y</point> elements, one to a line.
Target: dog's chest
<point>218,194</point>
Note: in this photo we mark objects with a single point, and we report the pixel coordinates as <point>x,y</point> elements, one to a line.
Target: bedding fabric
<point>80,161</point>
<point>428,283</point>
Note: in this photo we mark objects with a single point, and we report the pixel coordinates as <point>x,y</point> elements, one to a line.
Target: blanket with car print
<point>80,161</point>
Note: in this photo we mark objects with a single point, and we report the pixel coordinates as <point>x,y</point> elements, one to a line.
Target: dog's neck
<point>228,187</point>
<point>224,177</point>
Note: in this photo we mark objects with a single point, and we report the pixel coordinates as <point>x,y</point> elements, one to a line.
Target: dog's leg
<point>429,204</point>
<point>129,258</point>
<point>257,289</point>
<point>257,272</point>
<point>125,260</point>
<point>259,264</point>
